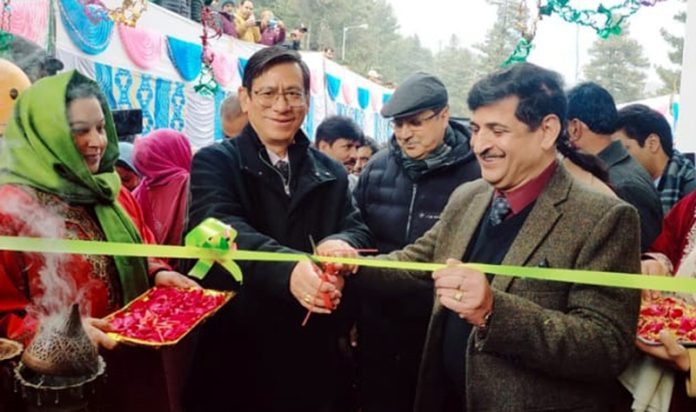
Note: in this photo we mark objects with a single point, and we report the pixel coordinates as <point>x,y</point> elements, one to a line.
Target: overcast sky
<point>555,43</point>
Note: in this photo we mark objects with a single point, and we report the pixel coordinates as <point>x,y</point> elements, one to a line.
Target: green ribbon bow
<point>213,234</point>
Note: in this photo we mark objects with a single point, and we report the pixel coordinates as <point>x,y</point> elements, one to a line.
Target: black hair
<point>638,121</point>
<point>268,57</point>
<point>540,93</point>
<point>80,87</point>
<point>336,127</point>
<point>593,105</point>
<point>372,144</point>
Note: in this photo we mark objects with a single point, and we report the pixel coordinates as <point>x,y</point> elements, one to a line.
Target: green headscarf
<point>39,151</point>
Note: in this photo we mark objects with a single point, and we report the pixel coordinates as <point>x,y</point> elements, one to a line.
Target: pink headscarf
<point>164,159</point>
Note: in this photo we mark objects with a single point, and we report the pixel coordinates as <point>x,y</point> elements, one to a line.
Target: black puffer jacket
<point>398,210</point>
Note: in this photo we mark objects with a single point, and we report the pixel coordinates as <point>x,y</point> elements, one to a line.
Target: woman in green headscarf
<point>57,180</point>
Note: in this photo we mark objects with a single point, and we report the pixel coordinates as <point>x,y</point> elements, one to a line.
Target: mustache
<point>488,154</point>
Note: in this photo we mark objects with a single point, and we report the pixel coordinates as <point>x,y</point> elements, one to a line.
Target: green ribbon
<point>213,234</point>
<point>222,253</point>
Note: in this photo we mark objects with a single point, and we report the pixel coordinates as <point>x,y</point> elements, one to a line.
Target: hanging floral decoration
<point>6,38</point>
<point>127,14</point>
<point>207,85</point>
<point>5,15</point>
<point>606,21</point>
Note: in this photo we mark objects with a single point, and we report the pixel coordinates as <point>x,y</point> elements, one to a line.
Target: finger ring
<point>307,297</point>
<point>458,296</point>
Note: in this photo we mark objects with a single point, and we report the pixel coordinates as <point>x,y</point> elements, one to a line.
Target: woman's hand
<point>96,332</point>
<point>670,351</point>
<point>652,267</point>
<point>169,278</point>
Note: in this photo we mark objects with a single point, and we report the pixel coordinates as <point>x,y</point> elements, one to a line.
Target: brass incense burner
<point>60,369</point>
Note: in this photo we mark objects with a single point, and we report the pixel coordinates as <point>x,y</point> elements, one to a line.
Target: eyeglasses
<point>294,98</point>
<point>413,123</point>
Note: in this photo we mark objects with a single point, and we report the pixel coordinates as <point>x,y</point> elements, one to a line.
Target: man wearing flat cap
<point>400,194</point>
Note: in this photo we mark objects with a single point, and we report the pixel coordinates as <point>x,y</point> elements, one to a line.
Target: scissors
<point>326,270</point>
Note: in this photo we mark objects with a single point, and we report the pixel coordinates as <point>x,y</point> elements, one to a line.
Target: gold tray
<point>145,297</point>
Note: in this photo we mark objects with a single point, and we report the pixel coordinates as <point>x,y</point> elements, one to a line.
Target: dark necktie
<point>284,168</point>
<point>499,210</point>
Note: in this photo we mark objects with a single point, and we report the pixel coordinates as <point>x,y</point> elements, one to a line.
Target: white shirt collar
<point>275,158</point>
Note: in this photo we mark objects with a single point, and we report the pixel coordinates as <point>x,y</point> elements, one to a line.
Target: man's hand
<point>655,268</point>
<point>251,21</point>
<point>464,291</point>
<point>96,332</point>
<point>169,278</point>
<point>306,286</point>
<point>670,351</point>
<point>338,248</point>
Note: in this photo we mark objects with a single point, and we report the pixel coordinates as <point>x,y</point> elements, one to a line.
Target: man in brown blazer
<point>498,343</point>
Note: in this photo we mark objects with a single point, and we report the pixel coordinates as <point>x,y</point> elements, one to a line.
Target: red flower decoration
<point>667,313</point>
<point>165,315</point>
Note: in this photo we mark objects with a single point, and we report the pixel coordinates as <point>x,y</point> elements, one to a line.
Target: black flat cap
<point>419,92</point>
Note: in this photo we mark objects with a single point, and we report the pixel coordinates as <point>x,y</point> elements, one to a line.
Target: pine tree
<point>671,77</point>
<point>618,64</point>
<point>502,38</point>
<point>453,65</point>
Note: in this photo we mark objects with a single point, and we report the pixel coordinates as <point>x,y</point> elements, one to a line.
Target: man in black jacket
<point>401,194</point>
<point>276,191</point>
<point>592,119</point>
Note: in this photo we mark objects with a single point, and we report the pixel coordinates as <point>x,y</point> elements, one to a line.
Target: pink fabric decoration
<point>143,46</point>
<point>316,80</point>
<point>163,158</point>
<point>30,20</point>
<point>348,93</point>
<point>375,99</point>
<point>224,69</point>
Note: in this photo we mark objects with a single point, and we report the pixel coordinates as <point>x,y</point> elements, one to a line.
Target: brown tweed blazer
<point>548,345</point>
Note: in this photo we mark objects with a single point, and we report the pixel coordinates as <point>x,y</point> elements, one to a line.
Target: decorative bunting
<point>162,89</point>
<point>145,96</point>
<point>223,68</point>
<point>386,97</point>
<point>376,103</point>
<point>29,19</point>
<point>219,97</point>
<point>242,66</point>
<point>104,79</point>
<point>143,46</point>
<point>90,37</point>
<point>333,86</point>
<point>363,98</point>
<point>186,57</point>
<point>315,80</point>
<point>348,94</point>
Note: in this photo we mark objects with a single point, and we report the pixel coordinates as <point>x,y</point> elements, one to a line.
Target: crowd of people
<point>540,177</point>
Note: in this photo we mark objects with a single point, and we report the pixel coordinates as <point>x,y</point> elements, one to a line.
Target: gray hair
<point>231,106</point>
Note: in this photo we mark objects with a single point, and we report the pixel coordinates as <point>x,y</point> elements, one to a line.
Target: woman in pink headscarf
<point>164,159</point>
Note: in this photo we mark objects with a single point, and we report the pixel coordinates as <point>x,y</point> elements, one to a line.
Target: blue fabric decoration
<point>219,97</point>
<point>186,57</point>
<point>333,85</point>
<point>105,81</point>
<point>178,101</point>
<point>162,88</point>
<point>124,81</point>
<point>90,37</point>
<point>363,97</point>
<point>308,125</point>
<point>241,66</point>
<point>382,127</point>
<point>386,97</point>
<point>144,95</point>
